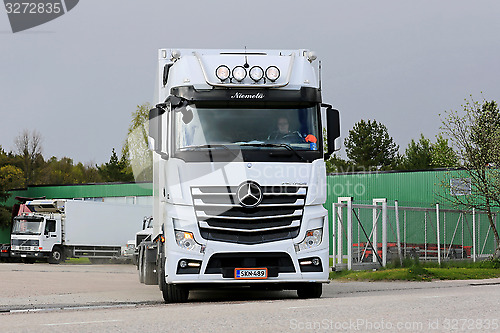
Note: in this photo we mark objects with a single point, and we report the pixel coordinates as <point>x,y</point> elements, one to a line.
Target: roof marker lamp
<point>239,73</point>
<point>272,73</point>
<point>256,73</point>
<point>222,72</point>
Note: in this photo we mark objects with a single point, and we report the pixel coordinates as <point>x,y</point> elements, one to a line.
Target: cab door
<point>51,234</point>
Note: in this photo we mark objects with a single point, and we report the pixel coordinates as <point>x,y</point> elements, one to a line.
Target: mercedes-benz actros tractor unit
<point>239,178</point>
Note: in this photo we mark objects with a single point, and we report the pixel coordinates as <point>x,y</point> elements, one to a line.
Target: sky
<point>77,79</point>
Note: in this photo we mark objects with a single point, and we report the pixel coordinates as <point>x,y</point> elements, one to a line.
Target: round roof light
<point>256,73</point>
<point>239,73</point>
<point>222,72</point>
<point>272,73</point>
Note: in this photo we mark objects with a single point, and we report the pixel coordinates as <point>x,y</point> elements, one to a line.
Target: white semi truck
<point>59,229</point>
<point>238,172</point>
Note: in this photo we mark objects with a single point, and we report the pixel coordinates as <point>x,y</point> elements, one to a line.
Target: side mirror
<point>180,104</point>
<point>332,127</point>
<point>187,115</point>
<point>156,130</point>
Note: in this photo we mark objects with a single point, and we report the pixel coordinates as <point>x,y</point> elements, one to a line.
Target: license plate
<point>250,273</point>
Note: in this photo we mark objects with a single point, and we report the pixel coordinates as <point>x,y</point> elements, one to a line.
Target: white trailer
<point>239,178</point>
<point>58,229</point>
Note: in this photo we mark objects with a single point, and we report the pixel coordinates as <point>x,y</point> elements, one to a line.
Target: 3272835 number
<point>33,8</point>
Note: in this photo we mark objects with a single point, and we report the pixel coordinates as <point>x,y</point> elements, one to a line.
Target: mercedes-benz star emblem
<point>249,194</point>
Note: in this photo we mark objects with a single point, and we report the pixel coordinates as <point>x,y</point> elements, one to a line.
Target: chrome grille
<point>221,217</point>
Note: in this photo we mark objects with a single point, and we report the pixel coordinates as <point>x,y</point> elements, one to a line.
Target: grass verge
<point>77,261</point>
<point>413,270</point>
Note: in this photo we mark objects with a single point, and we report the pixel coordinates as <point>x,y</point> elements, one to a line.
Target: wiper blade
<point>212,146</point>
<point>207,146</point>
<point>284,145</point>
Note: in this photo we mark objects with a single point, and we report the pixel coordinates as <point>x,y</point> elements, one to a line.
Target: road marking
<point>479,284</point>
<point>305,307</point>
<point>83,322</point>
<point>27,310</point>
<point>66,308</point>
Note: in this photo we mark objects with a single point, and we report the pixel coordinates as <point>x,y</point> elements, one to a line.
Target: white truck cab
<point>35,235</point>
<point>238,172</point>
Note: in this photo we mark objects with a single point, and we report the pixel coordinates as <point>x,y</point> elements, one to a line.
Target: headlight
<point>222,72</point>
<point>312,239</point>
<point>186,241</point>
<point>272,73</point>
<point>239,73</point>
<point>256,73</point>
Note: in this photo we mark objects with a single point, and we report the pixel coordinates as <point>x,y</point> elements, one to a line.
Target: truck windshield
<point>27,226</point>
<point>202,128</point>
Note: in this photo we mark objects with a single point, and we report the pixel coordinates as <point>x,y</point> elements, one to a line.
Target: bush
<point>5,217</point>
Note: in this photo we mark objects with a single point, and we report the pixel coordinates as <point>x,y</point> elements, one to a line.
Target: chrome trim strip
<point>200,203</point>
<point>295,223</point>
<point>203,216</point>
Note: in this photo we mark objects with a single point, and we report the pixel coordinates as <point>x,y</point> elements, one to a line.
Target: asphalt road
<point>109,298</point>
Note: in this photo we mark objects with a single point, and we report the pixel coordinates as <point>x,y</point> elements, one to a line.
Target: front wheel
<point>28,260</point>
<point>174,293</point>
<point>56,256</point>
<point>310,290</point>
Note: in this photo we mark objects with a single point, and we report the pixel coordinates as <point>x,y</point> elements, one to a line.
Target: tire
<point>140,265</point>
<point>174,293</point>
<point>310,290</point>
<point>162,284</point>
<point>57,256</point>
<point>134,261</point>
<point>28,260</point>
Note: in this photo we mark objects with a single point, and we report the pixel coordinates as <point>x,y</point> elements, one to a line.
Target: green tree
<point>64,171</point>
<point>475,133</point>
<point>29,148</point>
<point>87,173</point>
<point>4,158</point>
<point>135,149</point>
<point>443,156</point>
<point>116,170</point>
<point>418,155</point>
<point>424,154</point>
<point>10,177</point>
<point>369,146</point>
<point>335,164</point>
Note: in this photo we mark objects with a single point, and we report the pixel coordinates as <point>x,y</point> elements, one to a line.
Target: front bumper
<point>24,254</point>
<point>281,270</point>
